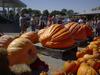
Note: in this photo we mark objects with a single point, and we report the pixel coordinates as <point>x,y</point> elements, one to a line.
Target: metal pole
<point>3,7</point>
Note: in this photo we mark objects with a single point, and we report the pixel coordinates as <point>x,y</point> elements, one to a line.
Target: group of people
<point>35,22</point>
<point>39,22</point>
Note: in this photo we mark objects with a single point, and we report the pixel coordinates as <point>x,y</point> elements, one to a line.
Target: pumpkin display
<point>94,45</point>
<point>85,69</point>
<point>95,63</point>
<point>71,67</point>
<point>31,36</point>
<point>21,51</point>
<point>96,38</point>
<point>81,53</point>
<point>56,36</point>
<point>5,40</point>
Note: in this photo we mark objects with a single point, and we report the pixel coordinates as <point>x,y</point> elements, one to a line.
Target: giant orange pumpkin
<point>88,30</point>
<point>31,36</point>
<point>21,51</point>
<point>77,31</point>
<point>5,40</point>
<point>40,32</point>
<point>56,36</point>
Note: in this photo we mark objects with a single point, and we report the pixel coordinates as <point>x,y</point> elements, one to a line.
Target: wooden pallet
<point>65,54</point>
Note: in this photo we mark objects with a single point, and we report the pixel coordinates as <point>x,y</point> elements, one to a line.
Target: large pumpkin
<point>20,51</point>
<point>56,36</point>
<point>87,29</point>
<point>31,36</point>
<point>80,34</point>
<point>41,31</point>
<point>5,40</point>
<point>85,69</point>
<point>77,31</point>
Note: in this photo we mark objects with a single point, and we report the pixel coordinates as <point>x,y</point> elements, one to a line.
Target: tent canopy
<point>12,3</point>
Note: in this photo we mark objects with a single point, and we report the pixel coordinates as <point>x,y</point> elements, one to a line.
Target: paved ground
<point>53,63</point>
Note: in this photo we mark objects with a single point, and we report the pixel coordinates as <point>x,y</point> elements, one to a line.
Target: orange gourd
<point>21,51</point>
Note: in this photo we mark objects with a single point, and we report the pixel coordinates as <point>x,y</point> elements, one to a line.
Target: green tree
<point>36,12</point>
<point>46,13</point>
<point>70,13</point>
<point>24,11</point>
<point>63,12</point>
<point>29,10</point>
<point>55,12</point>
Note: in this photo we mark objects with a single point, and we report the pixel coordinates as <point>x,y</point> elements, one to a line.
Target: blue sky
<point>76,5</point>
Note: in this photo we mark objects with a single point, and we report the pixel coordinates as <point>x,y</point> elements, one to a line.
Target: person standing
<point>98,28</point>
<point>33,23</point>
<point>23,22</point>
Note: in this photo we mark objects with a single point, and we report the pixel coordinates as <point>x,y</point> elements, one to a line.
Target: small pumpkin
<point>84,51</point>
<point>32,36</point>
<point>95,63</point>
<point>21,51</point>
<point>85,69</point>
<point>71,67</point>
<point>5,40</point>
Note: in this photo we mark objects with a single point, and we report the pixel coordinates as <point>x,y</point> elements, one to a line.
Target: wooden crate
<point>65,54</point>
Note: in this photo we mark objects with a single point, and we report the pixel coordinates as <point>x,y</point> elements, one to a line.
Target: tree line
<point>62,12</point>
